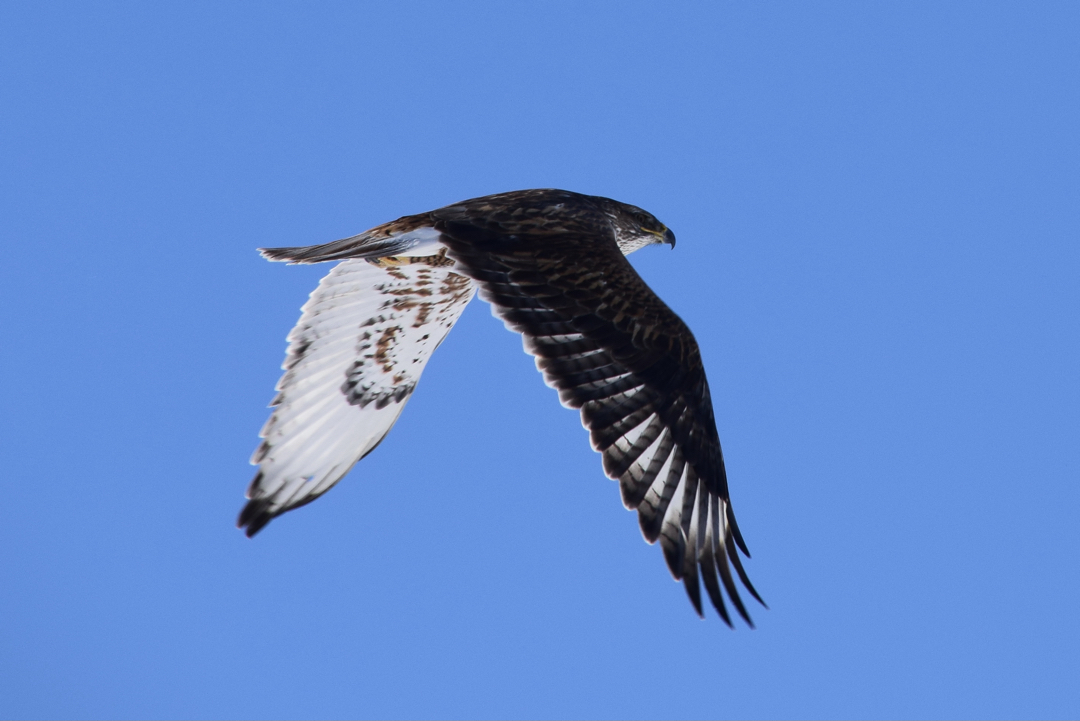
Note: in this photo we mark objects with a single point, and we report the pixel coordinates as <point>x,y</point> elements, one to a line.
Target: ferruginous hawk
<point>552,265</point>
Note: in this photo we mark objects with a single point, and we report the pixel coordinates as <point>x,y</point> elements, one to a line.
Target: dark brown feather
<point>549,263</point>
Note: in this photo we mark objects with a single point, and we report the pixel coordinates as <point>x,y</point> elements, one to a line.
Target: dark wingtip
<point>693,590</point>
<point>254,517</point>
<point>734,557</point>
<point>734,526</point>
<point>708,575</point>
<point>729,586</point>
<point>690,581</point>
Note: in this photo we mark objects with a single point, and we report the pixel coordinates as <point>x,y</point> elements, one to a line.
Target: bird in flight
<point>553,266</point>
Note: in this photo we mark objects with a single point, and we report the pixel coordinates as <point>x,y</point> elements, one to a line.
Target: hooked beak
<point>669,237</point>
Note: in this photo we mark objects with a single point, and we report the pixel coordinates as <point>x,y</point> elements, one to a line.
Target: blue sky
<point>878,213</point>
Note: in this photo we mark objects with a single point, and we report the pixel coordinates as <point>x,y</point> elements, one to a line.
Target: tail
<point>358,246</point>
<point>398,237</point>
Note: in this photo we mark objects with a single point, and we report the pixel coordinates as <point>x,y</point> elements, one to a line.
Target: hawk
<point>552,264</point>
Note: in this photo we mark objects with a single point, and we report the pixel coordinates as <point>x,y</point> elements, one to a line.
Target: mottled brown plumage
<point>552,264</point>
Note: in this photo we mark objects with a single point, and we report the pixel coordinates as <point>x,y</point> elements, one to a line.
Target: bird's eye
<point>641,219</point>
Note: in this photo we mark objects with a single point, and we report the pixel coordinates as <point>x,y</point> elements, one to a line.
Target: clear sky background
<point>878,214</point>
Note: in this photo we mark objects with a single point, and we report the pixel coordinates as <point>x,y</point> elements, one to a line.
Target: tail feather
<point>412,233</point>
<point>358,246</point>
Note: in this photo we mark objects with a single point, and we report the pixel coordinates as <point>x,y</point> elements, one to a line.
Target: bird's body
<point>552,264</point>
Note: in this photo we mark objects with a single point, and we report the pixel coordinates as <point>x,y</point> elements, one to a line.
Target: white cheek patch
<point>635,242</point>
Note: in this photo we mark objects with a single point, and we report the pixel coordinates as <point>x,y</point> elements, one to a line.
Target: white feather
<point>366,333</point>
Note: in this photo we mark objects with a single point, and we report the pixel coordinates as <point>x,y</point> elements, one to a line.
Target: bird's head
<point>635,228</point>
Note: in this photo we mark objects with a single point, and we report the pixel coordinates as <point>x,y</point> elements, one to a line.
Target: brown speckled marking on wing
<point>428,293</point>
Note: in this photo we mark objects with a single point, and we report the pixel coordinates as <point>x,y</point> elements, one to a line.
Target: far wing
<point>613,350</point>
<point>353,360</point>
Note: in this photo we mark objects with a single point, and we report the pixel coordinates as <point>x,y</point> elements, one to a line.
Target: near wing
<point>353,360</point>
<point>613,350</point>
